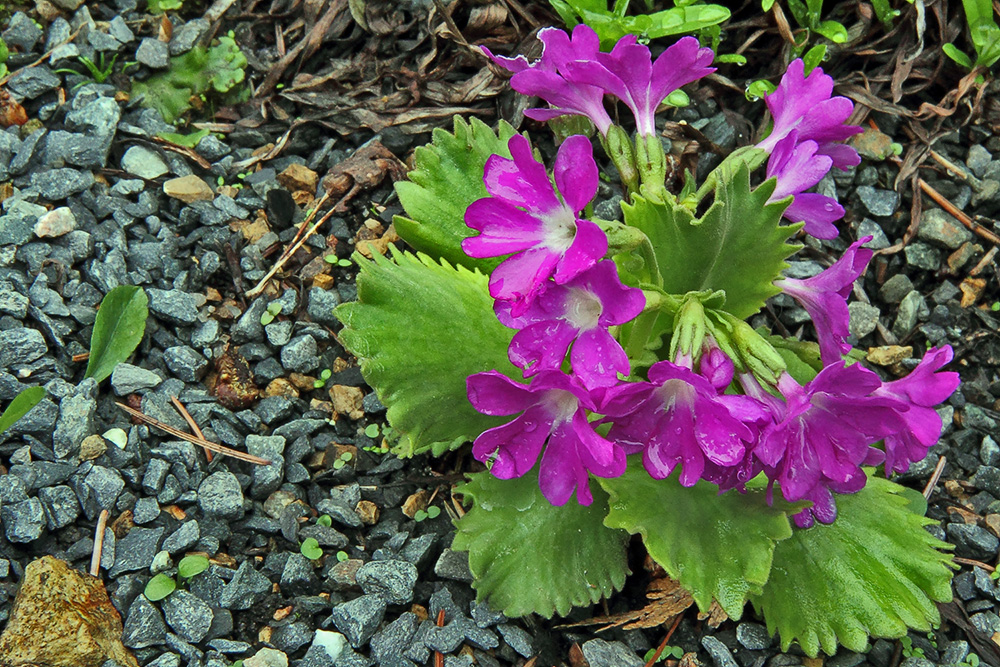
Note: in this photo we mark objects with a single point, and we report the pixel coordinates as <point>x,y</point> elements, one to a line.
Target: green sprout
<point>675,652</point>
<point>343,460</point>
<point>324,520</point>
<point>431,512</point>
<point>323,377</point>
<point>310,549</point>
<point>273,308</point>
<point>371,431</point>
<point>98,73</point>
<point>342,556</point>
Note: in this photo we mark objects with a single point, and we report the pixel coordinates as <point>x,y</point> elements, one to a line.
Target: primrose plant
<point>611,382</point>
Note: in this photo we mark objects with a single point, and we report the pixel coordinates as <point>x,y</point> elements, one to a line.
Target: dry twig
<point>95,558</point>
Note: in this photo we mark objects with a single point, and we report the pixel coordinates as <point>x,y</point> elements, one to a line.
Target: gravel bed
<point>95,203</point>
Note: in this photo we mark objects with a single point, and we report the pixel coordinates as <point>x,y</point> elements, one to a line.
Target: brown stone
<point>972,289</point>
<point>415,503</point>
<point>251,231</point>
<point>62,618</point>
<point>961,257</point>
<point>887,355</point>
<point>323,281</point>
<point>368,511</point>
<point>92,447</point>
<point>281,387</point>
<point>188,189</point>
<point>299,177</point>
<point>302,382</point>
<point>379,245</point>
<point>347,401</point>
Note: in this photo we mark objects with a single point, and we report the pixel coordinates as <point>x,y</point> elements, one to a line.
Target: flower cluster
<point>707,410</point>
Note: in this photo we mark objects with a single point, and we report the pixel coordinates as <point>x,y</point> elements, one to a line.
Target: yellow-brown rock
<point>62,618</point>
<point>298,177</point>
<point>188,189</point>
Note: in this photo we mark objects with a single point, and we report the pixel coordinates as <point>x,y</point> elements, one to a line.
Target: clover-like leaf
<point>529,556</point>
<point>159,587</point>
<point>419,329</point>
<point>118,329</point>
<point>191,566</point>
<point>875,572</point>
<point>718,546</point>
<point>448,176</point>
<point>738,246</point>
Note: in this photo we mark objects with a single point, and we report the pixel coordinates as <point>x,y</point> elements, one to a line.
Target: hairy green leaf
<point>448,176</point>
<point>191,566</point>
<point>874,571</point>
<point>529,556</point>
<point>419,328</point>
<point>717,547</point>
<point>118,330</point>
<point>20,406</point>
<point>738,246</point>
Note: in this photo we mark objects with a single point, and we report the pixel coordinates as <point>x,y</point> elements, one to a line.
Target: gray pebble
<point>173,306</point>
<point>321,304</point>
<point>187,615</point>
<point>127,379</point>
<point>601,653</point>
<point>185,363</point>
<point>146,509</point>
<point>247,588</point>
<point>978,159</point>
<point>300,355</point>
<point>453,565</point>
<point>266,479</point>
<point>58,184</point>
<point>895,288</point>
<point>972,541</point>
<point>29,83</point>
<point>989,451</point>
<point>183,538</point>
<point>516,638</point>
<point>392,640</point>
<point>721,655</point>
<point>359,618</point>
<point>753,636</point>
<point>22,32</point>
<point>153,53</point>
<point>60,505</point>
<point>23,522</point>
<point>392,579</point>
<point>76,419</point>
<point>444,639</point>
<point>220,496</point>
<point>941,229</point>
<point>136,550</point>
<point>144,163</point>
<point>864,318</point>
<point>21,346</point>
<point>923,256</point>
<point>144,626</point>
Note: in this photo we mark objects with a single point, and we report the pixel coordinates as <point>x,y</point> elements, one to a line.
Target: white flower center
<point>560,229</point>
<point>583,309</point>
<point>561,404</point>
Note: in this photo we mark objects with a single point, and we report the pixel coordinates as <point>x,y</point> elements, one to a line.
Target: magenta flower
<point>553,415</point>
<point>921,390</point>
<point>822,435</point>
<point>525,216</point>
<point>630,74</point>
<point>824,297</point>
<point>579,310</point>
<point>798,167</point>
<point>680,418</point>
<point>547,77</point>
<point>803,103</point>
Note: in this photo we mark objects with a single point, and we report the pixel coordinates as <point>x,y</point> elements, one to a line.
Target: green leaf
<point>118,330</point>
<point>448,176</point>
<point>813,58</point>
<point>419,329</point>
<point>161,6</point>
<point>681,20</point>
<point>565,12</point>
<point>20,406</point>
<point>216,70</point>
<point>874,571</point>
<point>529,556</point>
<point>717,547</point>
<point>187,140</point>
<point>310,548</point>
<point>952,52</point>
<point>159,587</point>
<point>191,566</point>
<point>738,245</point>
<point>832,30</point>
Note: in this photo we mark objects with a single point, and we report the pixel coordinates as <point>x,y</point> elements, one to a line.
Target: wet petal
<point>576,172</point>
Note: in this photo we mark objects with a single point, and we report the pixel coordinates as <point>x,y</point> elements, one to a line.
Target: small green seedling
<point>324,520</point>
<point>310,549</point>
<point>371,431</point>
<point>323,377</point>
<point>4,52</point>
<point>191,566</point>
<point>159,587</point>
<point>273,310</point>
<point>909,651</point>
<point>163,6</point>
<point>674,652</point>
<point>808,14</point>
<point>98,73</point>
<point>342,556</point>
<point>431,512</point>
<point>971,660</point>
<point>186,140</point>
<point>344,459</point>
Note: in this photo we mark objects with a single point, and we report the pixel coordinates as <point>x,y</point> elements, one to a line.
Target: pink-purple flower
<point>822,435</point>
<point>799,166</point>
<point>921,390</point>
<point>577,312</point>
<point>824,296</point>
<point>630,74</point>
<point>546,77</point>
<point>554,416</point>
<point>680,418</point>
<point>525,217</point>
<point>804,104</point>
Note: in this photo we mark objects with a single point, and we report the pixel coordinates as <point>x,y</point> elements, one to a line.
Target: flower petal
<point>515,445</point>
<point>588,247</point>
<point>576,172</point>
<point>519,278</point>
<point>493,393</point>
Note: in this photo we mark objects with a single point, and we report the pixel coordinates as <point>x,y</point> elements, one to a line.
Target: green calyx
<point>618,146</point>
<point>747,348</point>
<point>652,162</point>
